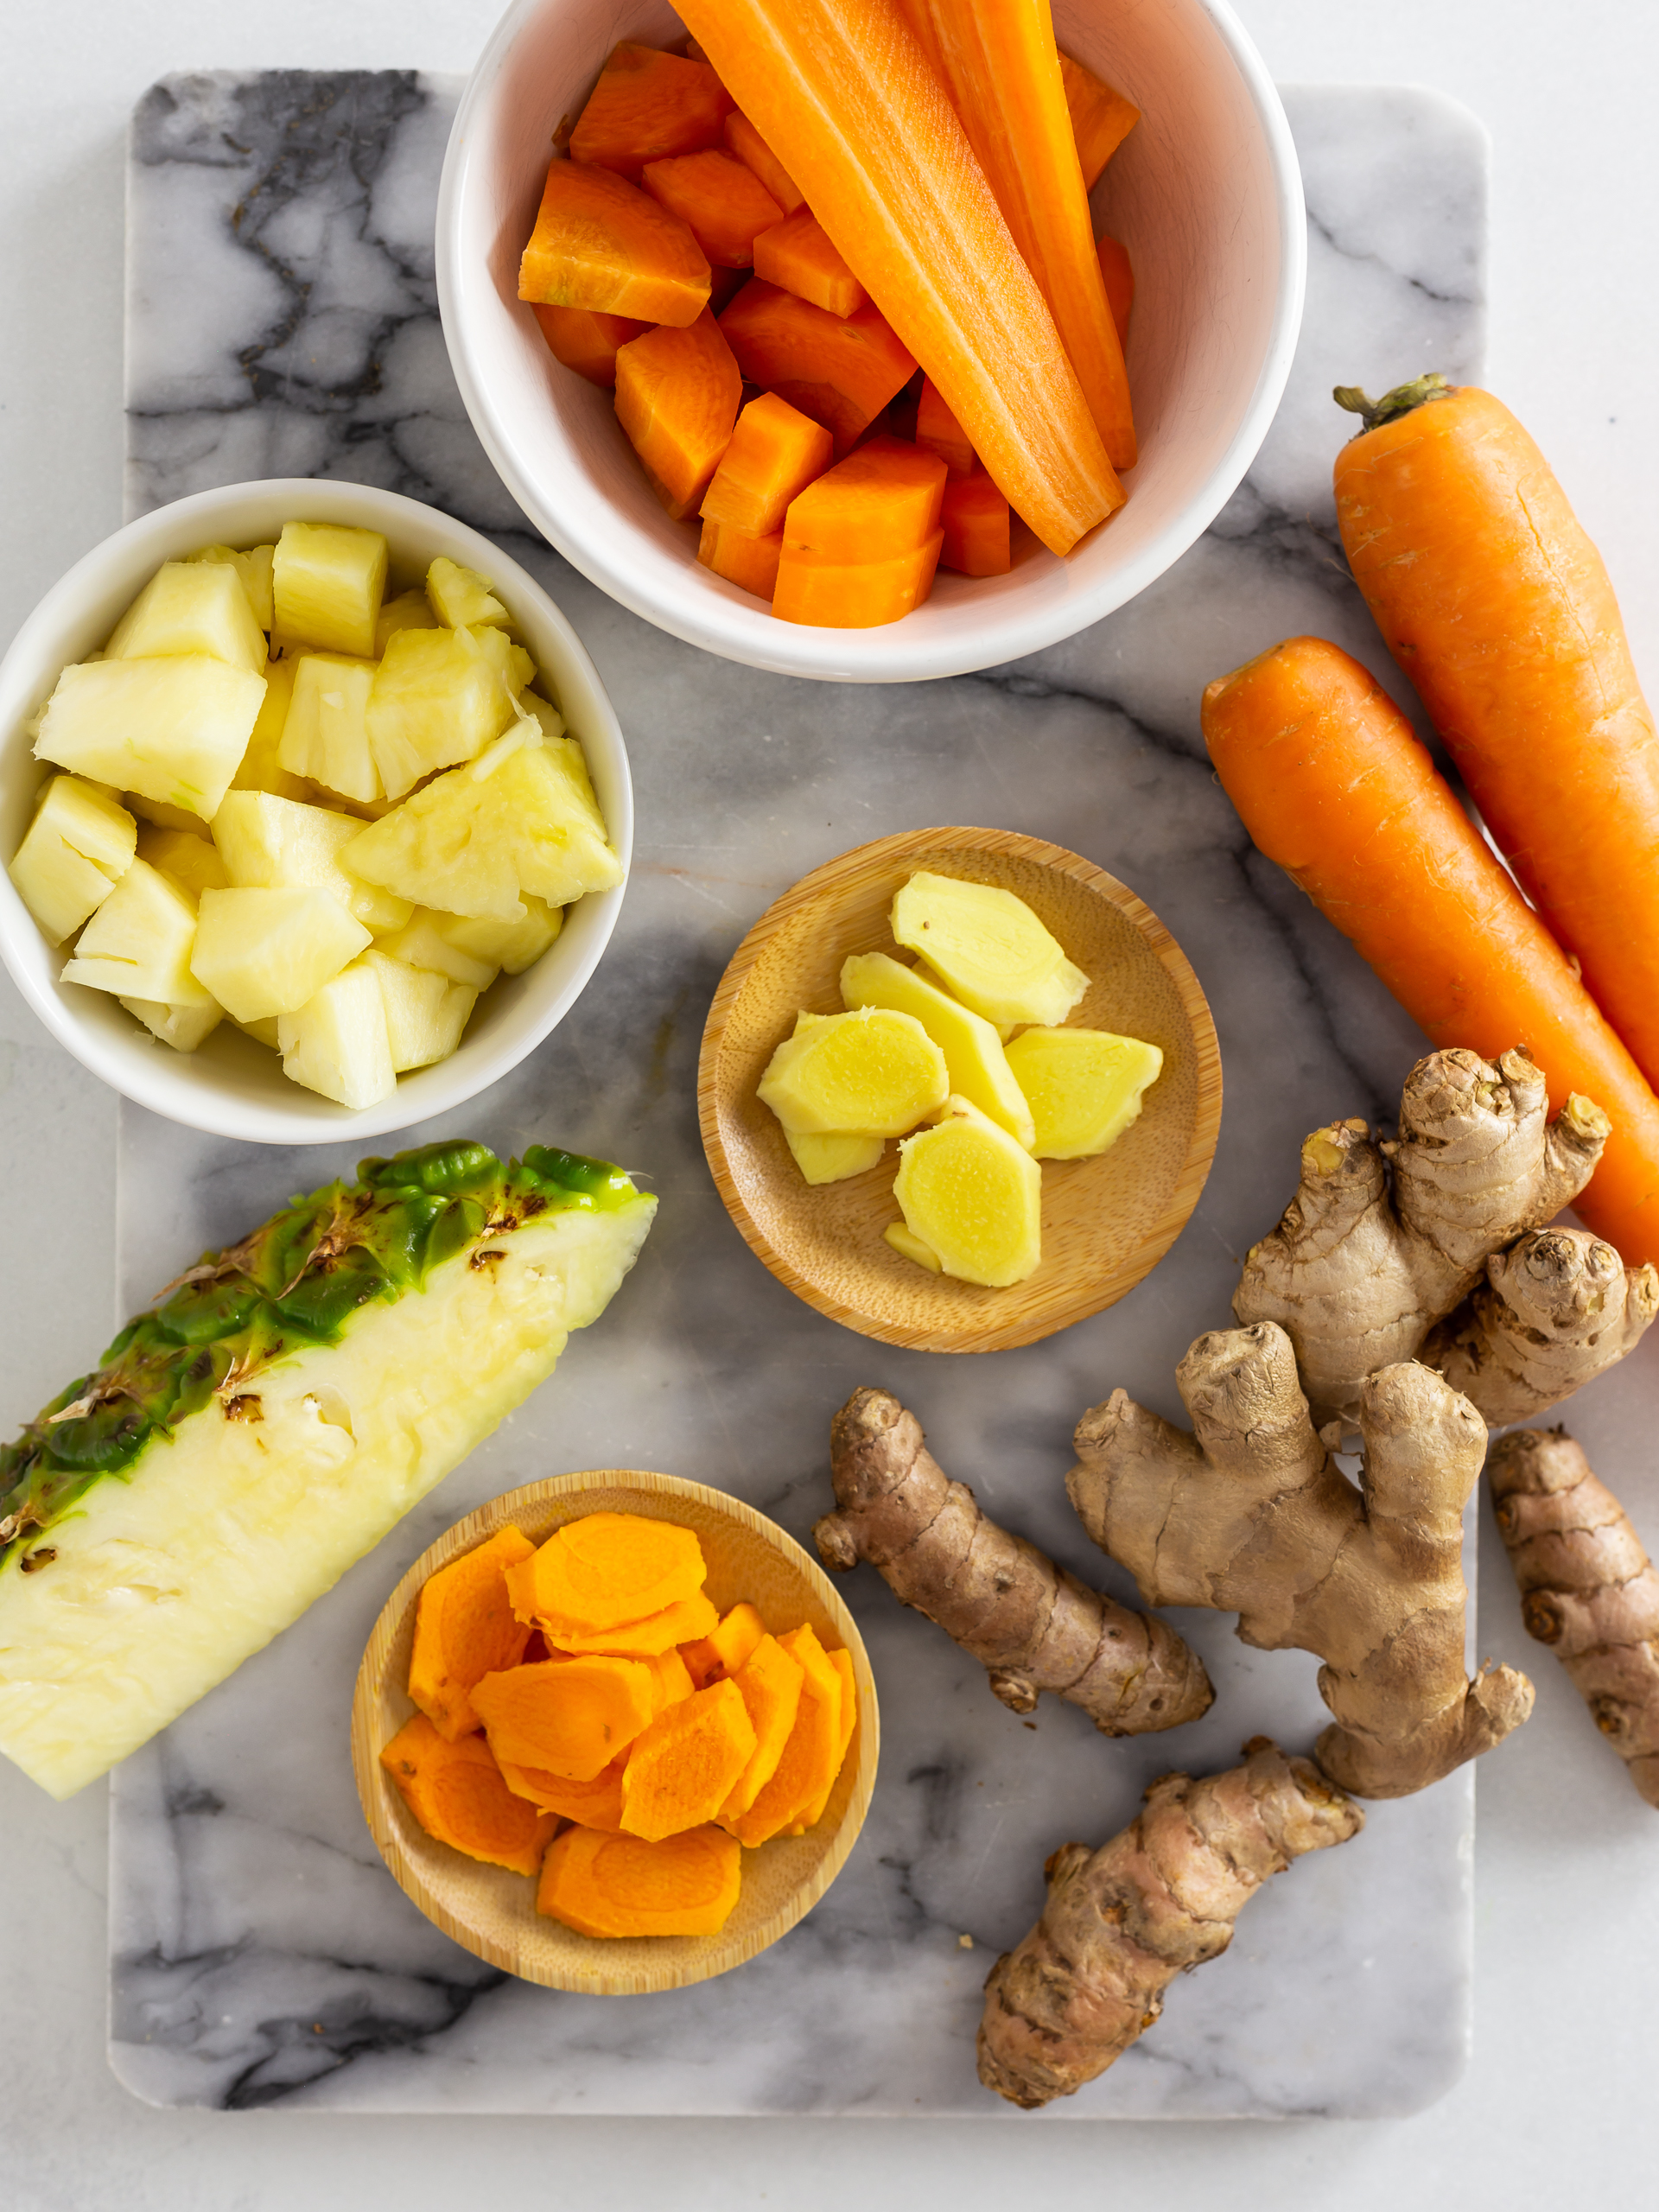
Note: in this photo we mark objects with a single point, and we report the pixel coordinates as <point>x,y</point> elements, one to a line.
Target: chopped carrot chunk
<point>751,564</point>
<point>775,453</point>
<point>676,397</point>
<point>856,595</point>
<point>588,342</point>
<point>883,499</point>
<point>974,520</point>
<point>1119,281</point>
<point>721,203</point>
<point>937,429</point>
<point>752,149</point>
<point>601,243</point>
<point>1101,117</point>
<point>798,255</point>
<point>647,106</point>
<point>841,370</point>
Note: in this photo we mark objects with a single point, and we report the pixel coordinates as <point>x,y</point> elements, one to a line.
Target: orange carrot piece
<point>881,500</point>
<point>1101,117</point>
<point>622,1885</point>
<point>797,254</point>
<point>457,1794</point>
<point>752,149</point>
<point>724,286</point>
<point>1119,279</point>
<point>841,370</point>
<point>827,595</point>
<point>601,243</point>
<point>974,521</point>
<point>775,452</point>
<point>677,393</point>
<point>751,564</point>
<point>1332,783</point>
<point>873,143</point>
<point>1497,605</point>
<point>723,205</point>
<point>937,429</point>
<point>595,1804</point>
<point>1003,71</point>
<point>464,1630</point>
<point>647,106</point>
<point>588,342</point>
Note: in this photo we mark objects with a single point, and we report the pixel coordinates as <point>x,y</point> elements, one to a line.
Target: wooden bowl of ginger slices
<point>1106,1220</point>
<point>491,1909</point>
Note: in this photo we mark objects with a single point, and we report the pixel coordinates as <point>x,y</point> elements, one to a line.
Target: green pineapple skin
<point>265,1425</point>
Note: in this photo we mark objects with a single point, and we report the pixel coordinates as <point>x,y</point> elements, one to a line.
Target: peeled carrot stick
<point>1119,279</point>
<point>842,87</point>
<point>937,429</point>
<point>1497,607</point>
<point>1332,783</point>
<point>752,149</point>
<point>1101,117</point>
<point>1002,70</point>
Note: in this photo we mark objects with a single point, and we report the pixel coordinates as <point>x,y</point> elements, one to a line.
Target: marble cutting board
<point>283,322</point>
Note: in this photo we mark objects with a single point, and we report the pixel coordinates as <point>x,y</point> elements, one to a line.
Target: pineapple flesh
<point>425,1010</point>
<point>270,843</point>
<point>267,951</point>
<point>327,582</point>
<point>78,846</point>
<point>439,697</point>
<point>337,1042</point>
<point>326,736</point>
<point>192,861</point>
<point>262,768</point>
<point>408,611</point>
<point>183,1027</point>
<point>461,597</point>
<point>140,942</point>
<point>191,607</point>
<point>254,567</point>
<point>173,728</point>
<point>314,1381</point>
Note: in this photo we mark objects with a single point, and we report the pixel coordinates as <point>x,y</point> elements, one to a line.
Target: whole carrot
<point>1497,605</point>
<point>1332,783</point>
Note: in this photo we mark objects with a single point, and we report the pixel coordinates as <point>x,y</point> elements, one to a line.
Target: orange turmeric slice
<point>842,1663</point>
<point>681,1771</point>
<point>595,1804</point>
<point>457,1793</point>
<point>671,1679</point>
<point>810,1757</point>
<point>646,1639</point>
<point>605,1569</point>
<point>464,1630</point>
<point>728,1649</point>
<point>570,1716</point>
<point>769,1682</point>
<point>604,1885</point>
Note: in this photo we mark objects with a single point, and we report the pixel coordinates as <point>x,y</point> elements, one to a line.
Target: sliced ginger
<point>988,948</point>
<point>831,1158</point>
<point>978,1067</point>
<point>973,1195</point>
<point>464,1630</point>
<point>623,1886</point>
<point>1084,1086</point>
<point>874,1071</point>
<point>457,1793</point>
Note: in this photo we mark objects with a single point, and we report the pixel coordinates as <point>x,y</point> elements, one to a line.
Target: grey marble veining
<point>282,320</point>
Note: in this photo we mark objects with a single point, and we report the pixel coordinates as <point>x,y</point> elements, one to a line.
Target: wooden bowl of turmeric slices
<point>1106,1220</point>
<point>491,1909</point>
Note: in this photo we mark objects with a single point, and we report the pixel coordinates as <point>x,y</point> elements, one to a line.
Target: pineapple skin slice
<point>76,850</point>
<point>173,729</point>
<point>218,1534</point>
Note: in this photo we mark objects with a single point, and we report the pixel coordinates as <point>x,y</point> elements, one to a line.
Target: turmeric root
<point>1588,1589</point>
<point>1030,1623</point>
<point>1251,1515</point>
<point>1121,1923</point>
<point>1382,1241</point>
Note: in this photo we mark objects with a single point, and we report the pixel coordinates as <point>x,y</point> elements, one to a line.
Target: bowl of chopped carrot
<point>615,1732</point>
<point>871,340</point>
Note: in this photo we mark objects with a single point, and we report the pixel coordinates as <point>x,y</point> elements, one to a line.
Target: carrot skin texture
<point>1497,607</point>
<point>875,146</point>
<point>1331,782</point>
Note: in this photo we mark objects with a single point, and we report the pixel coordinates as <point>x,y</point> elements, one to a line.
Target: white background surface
<point>1556,2105</point>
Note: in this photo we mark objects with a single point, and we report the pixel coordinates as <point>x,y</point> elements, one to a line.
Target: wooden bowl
<point>1106,1221</point>
<point>490,1911</point>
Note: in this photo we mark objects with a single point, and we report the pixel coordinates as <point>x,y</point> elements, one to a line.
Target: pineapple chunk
<point>408,611</point>
<point>326,736</point>
<point>439,697</point>
<point>327,581</point>
<point>475,952</point>
<point>184,1027</point>
<point>173,729</point>
<point>831,1156</point>
<point>192,862</point>
<point>425,1011</point>
<point>972,1195</point>
<point>337,1043</point>
<point>523,821</point>
<point>266,1030</point>
<point>425,943</point>
<point>460,597</point>
<point>987,950</point>
<point>267,951</point>
<point>276,845</point>
<point>190,607</point>
<point>164,817</point>
<point>254,567</point>
<point>139,943</point>
<point>511,663</point>
<point>262,769</point>
<point>550,720</point>
<point>79,845</point>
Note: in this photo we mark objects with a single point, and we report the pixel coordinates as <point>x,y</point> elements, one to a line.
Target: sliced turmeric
<point>671,1679</point>
<point>604,1569</point>
<point>595,1804</point>
<point>769,1682</point>
<point>682,1770</point>
<point>604,1885</point>
<point>812,1757</point>
<point>571,1716</point>
<point>728,1649</point>
<point>457,1793</point>
<point>659,1632</point>
<point>464,1630</point>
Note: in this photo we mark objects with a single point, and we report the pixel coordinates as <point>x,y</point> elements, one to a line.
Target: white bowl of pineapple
<point>319,840</point>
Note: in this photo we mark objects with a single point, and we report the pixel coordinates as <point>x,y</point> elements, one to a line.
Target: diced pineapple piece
<point>425,942</point>
<point>426,1012</point>
<point>163,817</point>
<point>831,1156</point>
<point>79,844</point>
<point>337,1042</point>
<point>470,841</point>
<point>512,946</point>
<point>266,1030</point>
<point>550,720</point>
<point>408,611</point>
<point>875,1072</point>
<point>183,1027</point>
<point>278,844</point>
<point>267,951</point>
<point>1085,1087</point>
<point>511,663</point>
<point>326,736</point>
<point>438,697</point>
<point>172,729</point>
<point>460,597</point>
<point>192,862</point>
<point>190,607</point>
<point>972,1051</point>
<point>973,1195</point>
<point>988,948</point>
<point>261,769</point>
<point>139,943</point>
<point>254,567</point>
<point>327,581</point>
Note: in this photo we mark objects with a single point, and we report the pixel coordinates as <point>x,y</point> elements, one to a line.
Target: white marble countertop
<point>1568,1938</point>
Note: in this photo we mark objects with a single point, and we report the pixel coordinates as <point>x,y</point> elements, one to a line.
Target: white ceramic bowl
<point>232,1085</point>
<point>1205,194</point>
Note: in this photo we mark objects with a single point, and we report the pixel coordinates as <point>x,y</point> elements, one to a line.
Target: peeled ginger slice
<point>834,1155</point>
<point>623,1886</point>
<point>457,1794</point>
<point>1085,1087</point>
<point>974,1197</point>
<point>988,948</point>
<point>873,1071</point>
<point>682,1770</point>
<point>608,1569</point>
<point>974,1058</point>
<point>464,1630</point>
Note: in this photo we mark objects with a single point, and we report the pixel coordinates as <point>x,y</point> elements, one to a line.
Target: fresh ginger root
<point>1382,1241</point>
<point>1121,1923</point>
<point>1587,1587</point>
<point>1030,1623</point>
<point>1252,1515</point>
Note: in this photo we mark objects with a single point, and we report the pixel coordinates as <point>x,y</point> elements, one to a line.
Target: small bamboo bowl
<point>1107,1222</point>
<point>490,1911</point>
